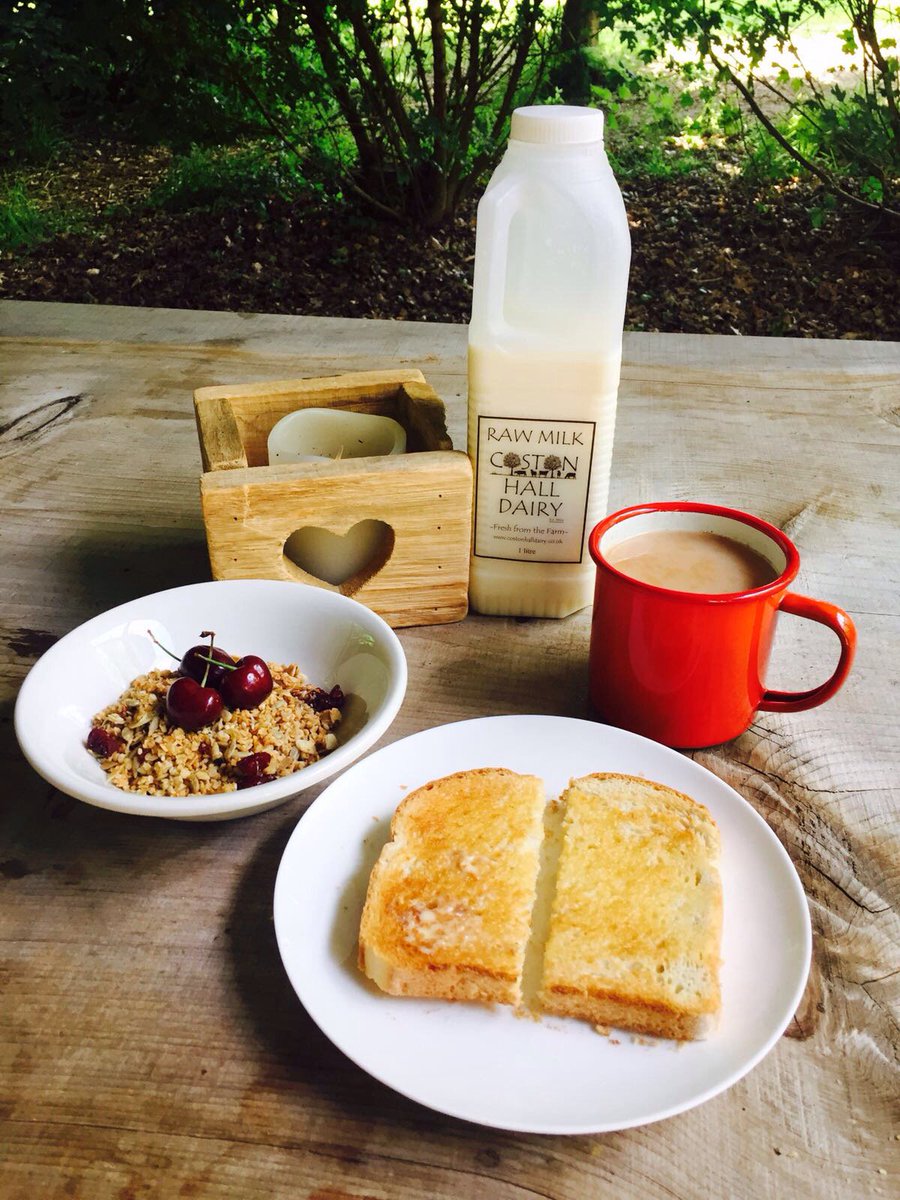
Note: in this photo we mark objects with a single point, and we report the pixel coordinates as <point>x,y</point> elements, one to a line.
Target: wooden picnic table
<point>151,1042</point>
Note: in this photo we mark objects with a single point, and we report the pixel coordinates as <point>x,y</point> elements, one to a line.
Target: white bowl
<point>333,640</point>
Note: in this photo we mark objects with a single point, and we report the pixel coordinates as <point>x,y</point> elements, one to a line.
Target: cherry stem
<point>209,661</point>
<point>212,637</point>
<point>162,647</point>
<point>217,662</point>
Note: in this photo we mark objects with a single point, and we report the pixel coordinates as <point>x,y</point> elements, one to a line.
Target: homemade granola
<point>142,751</point>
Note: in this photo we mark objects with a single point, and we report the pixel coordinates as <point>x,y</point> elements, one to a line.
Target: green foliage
<point>424,92</point>
<point>849,138</point>
<point>645,120</point>
<point>153,71</point>
<point>213,178</point>
<point>21,223</point>
<point>25,224</point>
<point>656,124</point>
<point>407,104</point>
<point>36,60</point>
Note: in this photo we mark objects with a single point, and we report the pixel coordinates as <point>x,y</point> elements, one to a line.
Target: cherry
<point>196,665</point>
<point>241,683</point>
<point>200,662</point>
<point>248,683</point>
<point>190,705</point>
<point>103,743</point>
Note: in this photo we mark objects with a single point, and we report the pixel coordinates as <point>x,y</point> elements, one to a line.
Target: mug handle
<point>835,618</point>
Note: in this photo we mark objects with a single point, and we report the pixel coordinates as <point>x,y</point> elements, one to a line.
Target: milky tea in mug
<point>691,560</point>
<point>685,601</point>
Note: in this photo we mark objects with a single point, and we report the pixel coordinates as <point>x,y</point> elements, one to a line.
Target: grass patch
<point>658,124</point>
<point>216,178</point>
<point>34,142</point>
<point>25,224</point>
<point>22,224</point>
<point>210,179</point>
<point>632,159</point>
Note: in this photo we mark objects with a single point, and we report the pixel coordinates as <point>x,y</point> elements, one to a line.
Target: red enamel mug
<point>688,668</point>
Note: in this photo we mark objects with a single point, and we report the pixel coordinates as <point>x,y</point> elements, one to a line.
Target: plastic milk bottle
<point>545,346</point>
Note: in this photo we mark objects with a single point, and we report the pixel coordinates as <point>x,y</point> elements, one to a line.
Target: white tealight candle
<point>320,434</point>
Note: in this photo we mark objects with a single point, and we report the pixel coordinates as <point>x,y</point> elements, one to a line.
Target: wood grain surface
<point>418,573</point>
<point>150,1043</point>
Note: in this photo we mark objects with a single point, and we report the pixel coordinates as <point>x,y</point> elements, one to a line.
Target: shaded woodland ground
<point>712,253</point>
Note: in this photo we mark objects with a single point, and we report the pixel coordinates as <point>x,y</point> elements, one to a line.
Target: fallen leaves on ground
<point>711,254</point>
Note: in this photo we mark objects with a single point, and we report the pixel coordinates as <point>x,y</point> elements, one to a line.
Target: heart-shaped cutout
<point>347,560</point>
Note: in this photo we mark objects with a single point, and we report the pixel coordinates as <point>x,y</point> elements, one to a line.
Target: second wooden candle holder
<point>417,507</point>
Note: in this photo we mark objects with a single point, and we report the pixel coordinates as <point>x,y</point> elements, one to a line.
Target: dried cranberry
<point>103,743</point>
<point>245,781</point>
<point>254,764</point>
<point>320,701</point>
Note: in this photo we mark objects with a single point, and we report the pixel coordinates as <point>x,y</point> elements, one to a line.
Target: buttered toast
<point>626,927</point>
<point>636,918</point>
<point>449,903</point>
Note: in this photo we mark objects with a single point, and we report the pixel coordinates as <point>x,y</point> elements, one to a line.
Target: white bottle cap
<point>557,124</point>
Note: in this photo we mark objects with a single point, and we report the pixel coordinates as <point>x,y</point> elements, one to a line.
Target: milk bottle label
<point>532,488</point>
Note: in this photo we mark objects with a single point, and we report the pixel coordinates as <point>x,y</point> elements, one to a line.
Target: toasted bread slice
<point>636,919</point>
<point>448,909</point>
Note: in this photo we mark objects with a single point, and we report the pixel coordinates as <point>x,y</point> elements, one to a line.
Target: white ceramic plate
<point>487,1065</point>
<point>333,639</point>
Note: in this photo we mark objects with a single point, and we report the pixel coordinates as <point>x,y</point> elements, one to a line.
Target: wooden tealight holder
<point>254,513</point>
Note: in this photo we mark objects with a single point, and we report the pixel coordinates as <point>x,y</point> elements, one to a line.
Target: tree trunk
<point>578,28</point>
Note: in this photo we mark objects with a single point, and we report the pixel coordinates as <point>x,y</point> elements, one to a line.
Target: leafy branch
<point>425,92</point>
